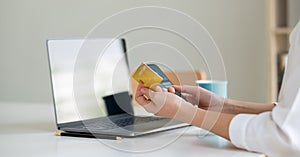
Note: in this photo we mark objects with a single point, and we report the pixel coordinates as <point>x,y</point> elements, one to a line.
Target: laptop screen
<point>87,74</point>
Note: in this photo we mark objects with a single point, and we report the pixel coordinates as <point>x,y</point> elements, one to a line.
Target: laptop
<point>90,82</point>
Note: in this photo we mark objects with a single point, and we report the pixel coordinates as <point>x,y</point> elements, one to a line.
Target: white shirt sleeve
<point>275,133</point>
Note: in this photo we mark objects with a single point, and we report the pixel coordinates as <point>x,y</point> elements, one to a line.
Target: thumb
<point>156,101</point>
<point>146,92</point>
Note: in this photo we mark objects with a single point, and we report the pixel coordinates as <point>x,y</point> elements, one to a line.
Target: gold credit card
<point>146,76</point>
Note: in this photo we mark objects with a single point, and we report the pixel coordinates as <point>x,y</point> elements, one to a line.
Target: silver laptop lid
<point>86,73</point>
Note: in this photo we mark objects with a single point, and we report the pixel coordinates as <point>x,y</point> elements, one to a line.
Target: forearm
<point>215,122</point>
<point>219,123</point>
<point>236,107</point>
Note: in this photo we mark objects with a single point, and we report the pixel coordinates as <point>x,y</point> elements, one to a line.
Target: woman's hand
<point>159,101</point>
<point>201,97</point>
<point>163,102</point>
<point>207,100</point>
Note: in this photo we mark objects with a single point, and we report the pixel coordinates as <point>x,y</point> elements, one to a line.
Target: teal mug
<point>217,87</point>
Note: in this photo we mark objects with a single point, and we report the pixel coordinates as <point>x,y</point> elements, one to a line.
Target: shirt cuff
<point>238,130</point>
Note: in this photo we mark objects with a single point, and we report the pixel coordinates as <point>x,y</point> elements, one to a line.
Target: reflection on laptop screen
<point>83,72</point>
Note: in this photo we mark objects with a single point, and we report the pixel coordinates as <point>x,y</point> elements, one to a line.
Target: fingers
<point>153,94</point>
<point>189,98</point>
<point>146,92</point>
<point>142,100</point>
<point>139,96</point>
<point>189,93</point>
<point>164,90</point>
<point>150,104</point>
<point>143,94</point>
<point>171,90</point>
<point>138,91</point>
<point>177,88</point>
<point>157,88</point>
<point>187,89</point>
<point>149,93</point>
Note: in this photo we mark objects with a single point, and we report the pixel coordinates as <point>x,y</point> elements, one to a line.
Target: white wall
<point>238,27</point>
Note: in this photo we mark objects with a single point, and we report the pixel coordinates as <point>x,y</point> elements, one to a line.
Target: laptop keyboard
<point>105,124</point>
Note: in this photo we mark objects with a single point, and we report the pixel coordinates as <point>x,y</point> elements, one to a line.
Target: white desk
<point>28,130</point>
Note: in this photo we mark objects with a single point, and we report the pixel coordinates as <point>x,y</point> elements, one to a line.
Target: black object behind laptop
<point>90,83</point>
